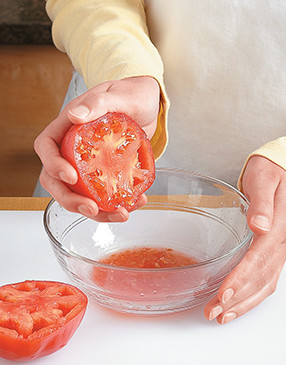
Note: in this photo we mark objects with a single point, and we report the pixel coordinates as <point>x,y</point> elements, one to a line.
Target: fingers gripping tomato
<point>113,158</point>
<point>38,318</point>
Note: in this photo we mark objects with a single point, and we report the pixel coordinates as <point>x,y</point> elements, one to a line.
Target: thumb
<point>138,97</point>
<point>89,108</point>
<point>260,192</point>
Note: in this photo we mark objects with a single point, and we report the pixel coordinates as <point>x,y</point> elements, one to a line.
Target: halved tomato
<point>38,318</point>
<point>113,158</point>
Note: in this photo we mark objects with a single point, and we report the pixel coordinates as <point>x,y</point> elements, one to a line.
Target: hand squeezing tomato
<point>113,158</point>
<point>37,318</point>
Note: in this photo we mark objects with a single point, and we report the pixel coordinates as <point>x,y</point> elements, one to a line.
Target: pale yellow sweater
<point>108,40</point>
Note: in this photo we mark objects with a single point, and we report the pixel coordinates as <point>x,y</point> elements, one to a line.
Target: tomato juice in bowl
<point>120,281</point>
<point>187,213</point>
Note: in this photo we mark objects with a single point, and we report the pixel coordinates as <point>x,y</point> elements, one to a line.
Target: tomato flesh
<point>38,318</point>
<point>113,158</point>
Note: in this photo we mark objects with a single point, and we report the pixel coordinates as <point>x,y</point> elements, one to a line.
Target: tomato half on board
<point>38,318</point>
<point>113,158</point>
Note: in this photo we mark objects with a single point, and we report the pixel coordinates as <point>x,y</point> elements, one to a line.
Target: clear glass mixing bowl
<point>200,216</point>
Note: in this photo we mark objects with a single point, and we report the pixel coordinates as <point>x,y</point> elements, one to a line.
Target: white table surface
<point>105,337</point>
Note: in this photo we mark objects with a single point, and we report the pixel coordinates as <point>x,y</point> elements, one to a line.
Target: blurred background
<point>34,78</point>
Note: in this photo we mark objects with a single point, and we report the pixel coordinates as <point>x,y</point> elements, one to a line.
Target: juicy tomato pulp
<point>37,318</point>
<point>149,258</point>
<point>143,283</point>
<point>113,158</point>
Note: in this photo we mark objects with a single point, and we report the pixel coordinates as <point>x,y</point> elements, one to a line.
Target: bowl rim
<point>76,256</point>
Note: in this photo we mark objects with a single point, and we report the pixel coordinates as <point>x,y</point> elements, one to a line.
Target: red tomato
<point>37,318</point>
<point>113,158</point>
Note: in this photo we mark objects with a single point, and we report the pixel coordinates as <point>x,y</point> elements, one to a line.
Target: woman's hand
<point>256,276</point>
<point>137,97</point>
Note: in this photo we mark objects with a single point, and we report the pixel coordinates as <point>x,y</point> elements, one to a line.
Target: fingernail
<point>260,221</point>
<point>227,295</point>
<point>80,111</point>
<point>215,312</point>
<point>228,317</point>
<point>116,217</point>
<point>63,176</point>
<point>85,210</point>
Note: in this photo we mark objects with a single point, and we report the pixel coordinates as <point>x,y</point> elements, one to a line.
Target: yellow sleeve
<point>108,40</point>
<point>274,151</point>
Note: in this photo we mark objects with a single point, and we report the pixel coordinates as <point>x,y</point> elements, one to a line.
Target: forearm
<point>105,40</point>
<point>108,40</point>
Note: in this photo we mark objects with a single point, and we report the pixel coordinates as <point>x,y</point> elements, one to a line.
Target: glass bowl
<point>199,216</point>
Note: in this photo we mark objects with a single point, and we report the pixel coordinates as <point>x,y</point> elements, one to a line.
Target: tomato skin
<point>135,166</point>
<point>67,151</point>
<point>24,350</point>
<point>47,340</point>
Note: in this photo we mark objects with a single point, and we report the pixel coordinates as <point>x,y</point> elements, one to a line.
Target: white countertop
<point>107,338</point>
